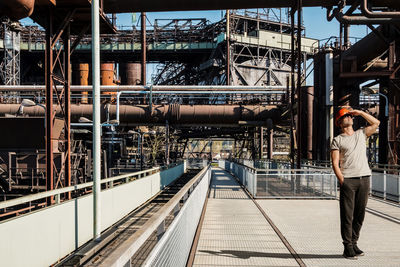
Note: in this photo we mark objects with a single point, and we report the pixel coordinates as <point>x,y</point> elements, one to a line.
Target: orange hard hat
<point>340,114</point>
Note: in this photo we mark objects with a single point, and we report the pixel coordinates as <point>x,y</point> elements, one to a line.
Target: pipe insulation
<point>175,114</point>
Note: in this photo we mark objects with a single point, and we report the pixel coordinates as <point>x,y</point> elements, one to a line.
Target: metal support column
<point>49,105</point>
<point>228,48</point>
<point>292,91</point>
<point>96,119</point>
<point>57,80</point>
<point>261,143</point>
<point>144,46</point>
<point>299,78</point>
<point>67,103</point>
<point>167,143</point>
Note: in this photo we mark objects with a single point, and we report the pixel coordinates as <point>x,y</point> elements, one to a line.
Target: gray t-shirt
<point>353,160</point>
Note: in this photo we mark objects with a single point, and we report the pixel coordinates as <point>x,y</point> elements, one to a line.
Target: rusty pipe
<point>370,14</point>
<point>16,9</point>
<point>220,115</point>
<point>357,19</point>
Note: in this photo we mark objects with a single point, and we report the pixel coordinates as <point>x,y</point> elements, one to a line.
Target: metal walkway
<point>235,233</point>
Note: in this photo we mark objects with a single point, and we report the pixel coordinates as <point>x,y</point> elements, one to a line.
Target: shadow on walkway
<point>248,254</point>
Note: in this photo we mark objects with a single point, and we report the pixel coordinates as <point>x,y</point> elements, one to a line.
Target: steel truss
<point>57,81</point>
<point>10,65</point>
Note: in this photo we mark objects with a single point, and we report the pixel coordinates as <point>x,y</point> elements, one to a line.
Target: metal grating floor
<point>235,233</point>
<point>312,228</point>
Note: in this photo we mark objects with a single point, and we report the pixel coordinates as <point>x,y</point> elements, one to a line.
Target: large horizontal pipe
<point>361,20</point>
<point>370,14</point>
<point>118,88</point>
<point>175,114</point>
<point>16,9</point>
<point>125,6</point>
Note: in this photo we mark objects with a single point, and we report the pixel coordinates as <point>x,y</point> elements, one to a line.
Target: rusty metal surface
<point>16,9</point>
<point>175,114</point>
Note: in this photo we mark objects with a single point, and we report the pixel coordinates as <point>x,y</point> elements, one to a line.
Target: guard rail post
<point>384,185</point>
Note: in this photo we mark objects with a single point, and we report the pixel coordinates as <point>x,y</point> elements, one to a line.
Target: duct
<point>217,115</point>
<point>369,14</point>
<point>16,9</point>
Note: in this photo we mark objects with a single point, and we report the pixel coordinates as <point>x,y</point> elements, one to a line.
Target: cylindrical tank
<point>81,73</point>
<point>107,73</point>
<point>81,77</point>
<point>107,78</point>
<point>130,73</point>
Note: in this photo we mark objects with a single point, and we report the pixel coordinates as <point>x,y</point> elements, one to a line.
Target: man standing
<point>350,164</point>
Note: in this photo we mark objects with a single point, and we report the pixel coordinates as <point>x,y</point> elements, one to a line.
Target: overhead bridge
<point>194,214</point>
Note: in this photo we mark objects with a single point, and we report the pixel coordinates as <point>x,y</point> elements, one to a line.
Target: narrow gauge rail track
<point>93,254</point>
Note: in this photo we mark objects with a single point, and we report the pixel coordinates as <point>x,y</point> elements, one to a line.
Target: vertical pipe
<point>292,77</point>
<point>228,48</point>
<point>141,151</point>
<point>341,37</point>
<point>383,127</point>
<point>261,142</point>
<point>328,100</point>
<point>234,149</point>
<point>49,106</point>
<point>299,57</point>
<point>270,143</point>
<point>211,149</point>
<point>167,143</point>
<point>310,111</point>
<point>96,119</point>
<point>346,35</point>
<point>67,92</point>
<point>144,46</point>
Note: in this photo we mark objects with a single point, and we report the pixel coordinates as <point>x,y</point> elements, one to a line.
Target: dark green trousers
<point>353,200</point>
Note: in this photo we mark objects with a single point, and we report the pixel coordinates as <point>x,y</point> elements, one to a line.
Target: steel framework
<point>10,66</point>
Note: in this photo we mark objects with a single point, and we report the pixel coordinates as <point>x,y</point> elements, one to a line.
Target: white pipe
<point>144,87</point>
<point>96,120</point>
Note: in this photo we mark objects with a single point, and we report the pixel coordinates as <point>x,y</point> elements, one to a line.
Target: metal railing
<point>105,183</point>
<point>384,182</point>
<point>174,243</point>
<point>279,181</point>
<point>174,247</point>
<point>120,195</point>
<point>386,186</point>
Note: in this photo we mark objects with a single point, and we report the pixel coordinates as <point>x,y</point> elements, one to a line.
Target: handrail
<point>33,197</point>
<point>126,250</point>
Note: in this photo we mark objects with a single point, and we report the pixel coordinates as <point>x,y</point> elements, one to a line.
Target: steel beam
<point>49,106</point>
<point>144,47</point>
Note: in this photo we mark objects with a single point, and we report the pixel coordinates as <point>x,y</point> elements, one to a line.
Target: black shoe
<point>349,253</point>
<point>358,251</point>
